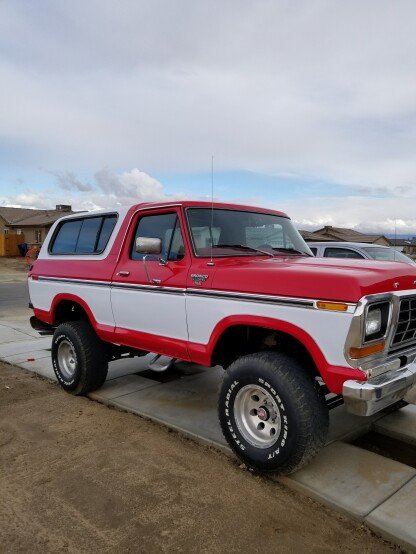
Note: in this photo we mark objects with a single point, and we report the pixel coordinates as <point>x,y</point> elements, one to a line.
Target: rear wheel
<point>79,358</point>
<point>272,413</point>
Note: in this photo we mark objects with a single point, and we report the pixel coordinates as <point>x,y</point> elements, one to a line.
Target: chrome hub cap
<point>257,416</point>
<point>66,359</point>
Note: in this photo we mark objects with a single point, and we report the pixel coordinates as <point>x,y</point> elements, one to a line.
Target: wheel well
<point>240,340</point>
<point>69,310</point>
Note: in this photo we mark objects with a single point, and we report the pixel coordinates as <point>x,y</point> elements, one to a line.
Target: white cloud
<point>108,190</point>
<point>317,88</point>
<point>365,214</point>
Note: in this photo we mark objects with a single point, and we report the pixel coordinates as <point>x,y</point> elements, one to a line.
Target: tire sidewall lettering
<point>278,449</point>
<point>56,341</point>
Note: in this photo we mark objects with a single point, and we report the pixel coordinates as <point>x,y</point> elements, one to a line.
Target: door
<point>148,291</point>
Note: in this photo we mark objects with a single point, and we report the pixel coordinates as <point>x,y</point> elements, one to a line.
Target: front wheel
<point>79,359</point>
<point>272,413</point>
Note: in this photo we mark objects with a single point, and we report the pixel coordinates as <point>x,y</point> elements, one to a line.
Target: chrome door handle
<point>156,281</point>
<point>123,273</point>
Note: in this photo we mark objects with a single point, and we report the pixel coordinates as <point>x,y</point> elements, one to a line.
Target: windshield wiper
<point>244,247</point>
<point>292,251</point>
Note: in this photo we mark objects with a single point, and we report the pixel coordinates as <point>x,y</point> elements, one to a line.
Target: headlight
<point>373,322</point>
<point>376,321</point>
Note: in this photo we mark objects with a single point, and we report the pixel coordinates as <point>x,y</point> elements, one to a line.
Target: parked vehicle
<point>233,286</point>
<point>358,250</point>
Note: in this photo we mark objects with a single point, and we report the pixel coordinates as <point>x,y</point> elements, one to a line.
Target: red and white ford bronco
<point>234,286</point>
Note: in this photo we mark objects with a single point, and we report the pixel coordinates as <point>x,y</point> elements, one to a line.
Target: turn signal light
<point>334,306</point>
<point>363,351</point>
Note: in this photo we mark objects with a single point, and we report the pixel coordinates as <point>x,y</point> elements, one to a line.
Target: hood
<point>315,278</point>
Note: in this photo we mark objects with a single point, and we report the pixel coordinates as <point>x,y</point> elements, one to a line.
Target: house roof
<point>369,239</point>
<point>347,235</point>
<point>315,236</point>
<point>28,217</point>
<point>337,230</point>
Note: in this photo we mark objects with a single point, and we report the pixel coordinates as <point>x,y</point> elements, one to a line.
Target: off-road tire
<point>89,356</point>
<point>303,413</point>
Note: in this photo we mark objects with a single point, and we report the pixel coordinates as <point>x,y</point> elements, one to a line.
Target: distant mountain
<point>399,236</point>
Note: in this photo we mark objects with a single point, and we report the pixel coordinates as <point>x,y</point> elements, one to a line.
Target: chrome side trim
<point>86,282</point>
<point>110,284</point>
<point>207,293</point>
<point>149,288</point>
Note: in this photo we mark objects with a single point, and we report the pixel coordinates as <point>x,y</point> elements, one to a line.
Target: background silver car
<point>358,250</point>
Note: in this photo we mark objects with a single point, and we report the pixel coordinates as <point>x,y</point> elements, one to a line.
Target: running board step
<point>161,363</point>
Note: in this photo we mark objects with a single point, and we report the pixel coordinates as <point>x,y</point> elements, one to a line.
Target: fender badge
<point>198,279</point>
<point>396,285</point>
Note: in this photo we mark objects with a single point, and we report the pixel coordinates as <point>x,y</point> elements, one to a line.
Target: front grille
<point>405,333</point>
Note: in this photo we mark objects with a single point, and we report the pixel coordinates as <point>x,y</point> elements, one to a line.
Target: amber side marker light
<point>363,351</point>
<point>334,306</point>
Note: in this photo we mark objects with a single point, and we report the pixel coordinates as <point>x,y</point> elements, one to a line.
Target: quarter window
<point>106,230</point>
<point>87,235</point>
<point>341,253</point>
<point>165,227</point>
<point>66,238</point>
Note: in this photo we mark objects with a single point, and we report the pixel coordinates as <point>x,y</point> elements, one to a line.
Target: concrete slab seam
<point>390,496</point>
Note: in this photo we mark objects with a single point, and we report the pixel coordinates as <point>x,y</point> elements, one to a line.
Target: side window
<point>87,235</point>
<point>314,250</point>
<point>164,227</point>
<point>341,253</point>
<point>106,230</point>
<point>67,237</point>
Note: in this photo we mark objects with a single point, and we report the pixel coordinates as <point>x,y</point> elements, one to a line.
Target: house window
<point>18,231</point>
<point>38,235</point>
<point>6,231</point>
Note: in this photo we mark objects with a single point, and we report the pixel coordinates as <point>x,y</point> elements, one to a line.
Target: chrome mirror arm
<point>145,268</point>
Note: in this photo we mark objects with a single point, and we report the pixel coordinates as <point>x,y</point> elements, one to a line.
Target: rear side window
<point>341,253</point>
<point>67,237</point>
<point>106,230</point>
<point>88,235</point>
<point>314,250</point>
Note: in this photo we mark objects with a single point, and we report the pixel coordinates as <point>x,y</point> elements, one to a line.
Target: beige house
<point>32,225</point>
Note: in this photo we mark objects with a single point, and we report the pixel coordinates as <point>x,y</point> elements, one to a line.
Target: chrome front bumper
<point>365,398</point>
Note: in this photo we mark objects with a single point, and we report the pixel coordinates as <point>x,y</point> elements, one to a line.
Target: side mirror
<point>145,245</point>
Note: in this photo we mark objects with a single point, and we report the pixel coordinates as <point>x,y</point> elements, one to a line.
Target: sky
<point>308,107</point>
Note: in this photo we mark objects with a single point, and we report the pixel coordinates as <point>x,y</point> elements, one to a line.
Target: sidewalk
<point>371,488</point>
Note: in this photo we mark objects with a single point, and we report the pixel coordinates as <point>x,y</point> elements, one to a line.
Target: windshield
<point>240,233</point>
<point>388,255</point>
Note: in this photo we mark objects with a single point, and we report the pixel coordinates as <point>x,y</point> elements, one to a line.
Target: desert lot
<point>78,476</point>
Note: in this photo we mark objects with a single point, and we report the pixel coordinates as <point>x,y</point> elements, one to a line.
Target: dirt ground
<point>76,476</point>
<point>12,265</point>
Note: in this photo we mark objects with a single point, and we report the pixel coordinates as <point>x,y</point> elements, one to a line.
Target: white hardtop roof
<point>343,243</point>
